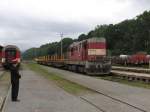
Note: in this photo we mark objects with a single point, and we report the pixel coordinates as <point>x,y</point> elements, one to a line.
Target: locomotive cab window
<point>72,50</point>
<point>11,53</point>
<point>84,45</point>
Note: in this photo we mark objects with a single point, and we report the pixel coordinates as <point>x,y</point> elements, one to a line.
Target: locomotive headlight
<point>19,60</point>
<point>3,60</point>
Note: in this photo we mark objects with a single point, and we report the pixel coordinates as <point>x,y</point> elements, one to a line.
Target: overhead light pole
<point>61,35</point>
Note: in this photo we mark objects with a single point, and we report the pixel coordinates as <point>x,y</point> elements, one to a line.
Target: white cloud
<point>66,10</point>
<point>29,23</point>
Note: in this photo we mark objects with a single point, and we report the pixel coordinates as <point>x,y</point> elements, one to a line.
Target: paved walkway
<point>138,97</point>
<point>37,94</point>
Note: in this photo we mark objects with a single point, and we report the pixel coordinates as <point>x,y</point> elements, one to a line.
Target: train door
<point>10,54</point>
<point>84,49</point>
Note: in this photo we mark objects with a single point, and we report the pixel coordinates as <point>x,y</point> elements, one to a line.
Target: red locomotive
<point>10,54</point>
<point>88,56</point>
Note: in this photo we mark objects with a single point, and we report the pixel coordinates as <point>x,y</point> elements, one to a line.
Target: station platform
<point>38,94</point>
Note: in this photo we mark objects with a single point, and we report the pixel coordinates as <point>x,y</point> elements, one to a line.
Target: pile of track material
<point>136,74</point>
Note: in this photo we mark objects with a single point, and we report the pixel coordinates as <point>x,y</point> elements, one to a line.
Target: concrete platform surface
<point>38,94</point>
<point>138,97</point>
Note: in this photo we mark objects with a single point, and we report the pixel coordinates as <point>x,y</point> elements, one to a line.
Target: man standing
<point>15,76</point>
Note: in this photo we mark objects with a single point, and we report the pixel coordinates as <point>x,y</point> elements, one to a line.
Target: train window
<point>84,45</point>
<point>80,47</point>
<point>72,50</point>
<point>76,48</point>
<point>10,53</point>
<point>1,47</point>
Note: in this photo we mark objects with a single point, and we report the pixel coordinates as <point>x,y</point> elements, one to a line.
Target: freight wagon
<point>135,59</point>
<point>88,56</point>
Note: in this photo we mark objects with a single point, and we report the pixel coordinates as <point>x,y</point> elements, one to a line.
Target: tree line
<point>127,37</point>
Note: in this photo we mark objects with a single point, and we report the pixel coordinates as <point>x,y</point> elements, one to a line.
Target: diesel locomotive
<point>86,56</point>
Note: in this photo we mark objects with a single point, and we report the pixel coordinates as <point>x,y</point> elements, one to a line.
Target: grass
<point>118,79</point>
<point>67,85</point>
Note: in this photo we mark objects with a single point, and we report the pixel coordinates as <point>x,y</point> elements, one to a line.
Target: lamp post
<point>61,35</point>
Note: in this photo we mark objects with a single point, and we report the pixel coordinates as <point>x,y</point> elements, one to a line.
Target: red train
<point>135,59</point>
<point>1,47</point>
<point>87,56</point>
<point>10,54</point>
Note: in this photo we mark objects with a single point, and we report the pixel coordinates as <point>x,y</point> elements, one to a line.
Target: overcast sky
<point>31,23</point>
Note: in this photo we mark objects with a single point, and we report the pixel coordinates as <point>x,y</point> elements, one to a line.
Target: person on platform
<point>15,76</point>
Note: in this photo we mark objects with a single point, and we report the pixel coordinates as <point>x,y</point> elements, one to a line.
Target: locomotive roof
<point>11,46</point>
<point>94,39</point>
<point>1,46</point>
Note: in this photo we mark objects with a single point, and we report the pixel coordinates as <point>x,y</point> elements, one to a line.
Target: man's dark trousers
<point>15,82</point>
<point>15,90</point>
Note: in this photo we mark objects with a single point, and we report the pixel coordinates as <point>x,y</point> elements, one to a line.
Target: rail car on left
<point>10,54</point>
<point>1,47</point>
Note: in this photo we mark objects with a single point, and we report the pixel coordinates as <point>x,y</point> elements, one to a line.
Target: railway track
<point>114,101</point>
<point>119,104</point>
<point>132,74</point>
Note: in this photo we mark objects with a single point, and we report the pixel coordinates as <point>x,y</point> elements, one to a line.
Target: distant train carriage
<point>122,59</point>
<point>10,54</point>
<point>89,56</point>
<point>139,58</point>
